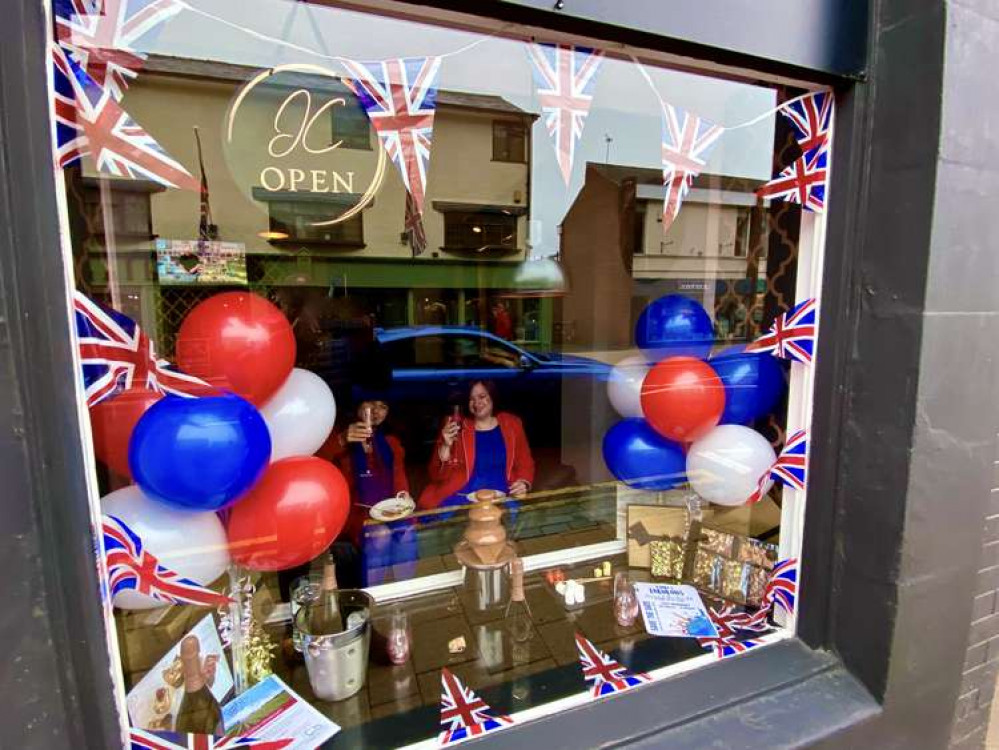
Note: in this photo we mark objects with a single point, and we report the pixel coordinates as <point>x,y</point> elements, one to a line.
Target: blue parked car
<point>432,367</point>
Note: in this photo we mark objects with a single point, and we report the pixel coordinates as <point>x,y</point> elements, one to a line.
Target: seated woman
<point>374,465</point>
<point>487,450</point>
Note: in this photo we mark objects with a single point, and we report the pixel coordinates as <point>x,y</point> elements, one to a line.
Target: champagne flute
<point>455,419</point>
<point>367,444</point>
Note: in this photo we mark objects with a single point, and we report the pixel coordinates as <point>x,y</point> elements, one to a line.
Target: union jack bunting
<point>811,119</point>
<point>688,141</point>
<point>727,622</point>
<point>606,675</point>
<point>90,121</point>
<point>792,463</point>
<point>791,467</point>
<point>102,34</point>
<point>131,568</point>
<point>782,588</point>
<point>117,355</point>
<point>142,739</point>
<point>463,713</point>
<point>803,181</point>
<point>792,335</point>
<point>564,76</point>
<point>400,98</point>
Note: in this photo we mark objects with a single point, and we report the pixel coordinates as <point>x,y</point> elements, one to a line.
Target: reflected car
<point>433,367</point>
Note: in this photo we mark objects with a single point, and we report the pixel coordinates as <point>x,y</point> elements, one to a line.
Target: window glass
<point>482,327</point>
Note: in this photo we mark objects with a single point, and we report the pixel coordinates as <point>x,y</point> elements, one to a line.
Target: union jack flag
<point>131,568</point>
<point>102,35</point>
<point>117,355</point>
<point>564,76</point>
<point>792,464</point>
<point>792,335</point>
<point>414,228</point>
<point>791,467</point>
<point>90,121</point>
<point>463,713</point>
<point>142,739</point>
<point>400,98</point>
<point>803,181</point>
<point>727,622</point>
<point>688,141</point>
<point>606,675</point>
<point>782,588</point>
<point>811,118</point>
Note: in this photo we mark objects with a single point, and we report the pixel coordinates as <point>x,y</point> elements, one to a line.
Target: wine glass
<point>625,600</point>
<point>367,444</point>
<point>455,418</point>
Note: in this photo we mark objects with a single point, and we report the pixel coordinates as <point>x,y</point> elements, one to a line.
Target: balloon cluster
<point>247,450</point>
<point>685,412</point>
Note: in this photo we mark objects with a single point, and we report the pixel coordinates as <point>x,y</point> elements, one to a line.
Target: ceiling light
<point>273,235</point>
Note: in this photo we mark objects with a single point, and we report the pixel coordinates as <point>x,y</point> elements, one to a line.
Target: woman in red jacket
<point>374,465</point>
<point>487,450</point>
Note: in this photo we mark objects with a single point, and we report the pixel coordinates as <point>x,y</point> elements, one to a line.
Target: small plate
<point>498,498</point>
<point>392,509</point>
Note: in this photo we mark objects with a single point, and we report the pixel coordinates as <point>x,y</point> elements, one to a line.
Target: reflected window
<point>479,230</point>
<point>509,141</point>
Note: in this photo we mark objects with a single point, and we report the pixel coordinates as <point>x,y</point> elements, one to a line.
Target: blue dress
<point>489,472</point>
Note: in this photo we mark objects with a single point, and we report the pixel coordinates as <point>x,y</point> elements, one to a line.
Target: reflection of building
<point>476,212</point>
<point>613,247</point>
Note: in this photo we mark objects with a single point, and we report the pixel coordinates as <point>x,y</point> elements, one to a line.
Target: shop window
<point>350,125</point>
<point>561,405</point>
<point>481,230</point>
<point>299,222</point>
<point>509,141</point>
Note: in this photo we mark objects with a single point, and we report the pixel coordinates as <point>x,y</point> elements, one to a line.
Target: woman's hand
<point>450,432</point>
<point>358,432</point>
<point>519,488</point>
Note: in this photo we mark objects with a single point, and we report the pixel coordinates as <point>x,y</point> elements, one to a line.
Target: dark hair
<point>490,386</point>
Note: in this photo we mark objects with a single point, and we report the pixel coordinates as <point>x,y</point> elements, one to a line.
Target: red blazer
<point>335,450</point>
<point>446,479</point>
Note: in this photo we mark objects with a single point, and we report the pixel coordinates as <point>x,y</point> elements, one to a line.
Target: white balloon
<point>300,415</point>
<point>191,543</point>
<point>725,465</point>
<point>625,385</point>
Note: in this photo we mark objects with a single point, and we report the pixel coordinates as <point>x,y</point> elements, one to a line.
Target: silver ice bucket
<point>337,663</point>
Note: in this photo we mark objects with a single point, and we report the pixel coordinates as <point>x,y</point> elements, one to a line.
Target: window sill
<point>795,696</point>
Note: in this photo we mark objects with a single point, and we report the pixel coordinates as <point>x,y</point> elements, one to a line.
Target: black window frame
<point>502,135</point>
<point>832,677</point>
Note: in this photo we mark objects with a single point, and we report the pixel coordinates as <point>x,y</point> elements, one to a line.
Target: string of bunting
<point>96,56</point>
<point>131,567</point>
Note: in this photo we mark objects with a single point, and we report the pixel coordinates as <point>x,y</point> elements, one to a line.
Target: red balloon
<point>113,420</point>
<point>683,398</point>
<point>290,516</point>
<point>237,341</point>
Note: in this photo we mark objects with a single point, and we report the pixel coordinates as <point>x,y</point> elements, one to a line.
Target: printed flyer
<point>674,610</point>
<point>270,710</point>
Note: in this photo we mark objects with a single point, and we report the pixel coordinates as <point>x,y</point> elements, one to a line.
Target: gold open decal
<point>292,134</point>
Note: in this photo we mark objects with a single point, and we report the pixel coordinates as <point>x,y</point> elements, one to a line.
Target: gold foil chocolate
<point>667,558</point>
<point>758,578</point>
<point>708,570</point>
<point>735,580</point>
<point>758,553</point>
<point>717,541</point>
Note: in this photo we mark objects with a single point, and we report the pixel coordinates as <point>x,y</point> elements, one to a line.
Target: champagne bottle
<point>518,614</point>
<point>199,712</point>
<point>327,617</point>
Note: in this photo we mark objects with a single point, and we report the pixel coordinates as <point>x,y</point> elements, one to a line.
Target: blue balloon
<point>753,382</point>
<point>642,458</point>
<point>673,326</point>
<point>199,453</point>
